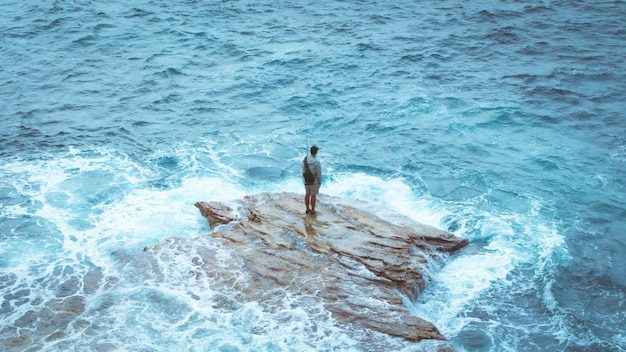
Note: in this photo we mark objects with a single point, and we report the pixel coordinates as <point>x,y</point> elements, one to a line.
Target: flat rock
<point>360,265</point>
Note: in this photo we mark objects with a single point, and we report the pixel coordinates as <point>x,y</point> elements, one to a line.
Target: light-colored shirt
<point>316,168</point>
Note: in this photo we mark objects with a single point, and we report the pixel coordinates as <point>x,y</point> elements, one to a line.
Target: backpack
<point>309,177</point>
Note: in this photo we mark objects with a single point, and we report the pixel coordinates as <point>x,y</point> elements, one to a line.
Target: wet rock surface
<point>359,265</point>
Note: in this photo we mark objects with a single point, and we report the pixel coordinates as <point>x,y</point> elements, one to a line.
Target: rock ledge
<point>360,265</point>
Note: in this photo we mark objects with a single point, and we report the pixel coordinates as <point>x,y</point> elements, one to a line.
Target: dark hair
<point>314,149</point>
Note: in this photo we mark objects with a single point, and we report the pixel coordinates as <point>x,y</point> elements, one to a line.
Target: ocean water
<point>500,121</point>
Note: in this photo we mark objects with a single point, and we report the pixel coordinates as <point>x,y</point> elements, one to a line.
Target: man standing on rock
<point>312,176</point>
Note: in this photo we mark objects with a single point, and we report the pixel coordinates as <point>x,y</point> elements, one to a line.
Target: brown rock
<point>358,264</point>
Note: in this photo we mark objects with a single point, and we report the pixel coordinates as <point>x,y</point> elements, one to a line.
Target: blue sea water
<point>500,121</point>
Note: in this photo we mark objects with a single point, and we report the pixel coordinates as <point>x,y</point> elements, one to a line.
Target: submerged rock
<point>360,265</point>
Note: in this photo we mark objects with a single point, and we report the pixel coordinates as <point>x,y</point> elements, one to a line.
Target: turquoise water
<point>502,122</point>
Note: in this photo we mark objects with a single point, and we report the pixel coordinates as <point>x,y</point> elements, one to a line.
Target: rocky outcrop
<point>358,264</point>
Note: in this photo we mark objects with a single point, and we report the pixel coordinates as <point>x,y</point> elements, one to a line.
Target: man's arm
<point>318,171</point>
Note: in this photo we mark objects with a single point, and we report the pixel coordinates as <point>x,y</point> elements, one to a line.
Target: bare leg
<point>313,201</point>
<point>307,201</point>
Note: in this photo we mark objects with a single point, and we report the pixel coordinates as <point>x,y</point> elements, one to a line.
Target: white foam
<point>92,229</point>
<point>456,287</point>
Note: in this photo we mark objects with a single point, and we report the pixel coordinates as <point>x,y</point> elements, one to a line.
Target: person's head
<point>314,150</point>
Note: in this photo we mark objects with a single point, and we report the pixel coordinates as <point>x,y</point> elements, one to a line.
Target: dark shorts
<point>313,189</point>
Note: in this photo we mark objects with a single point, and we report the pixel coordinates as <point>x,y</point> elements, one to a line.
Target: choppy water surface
<point>501,122</point>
